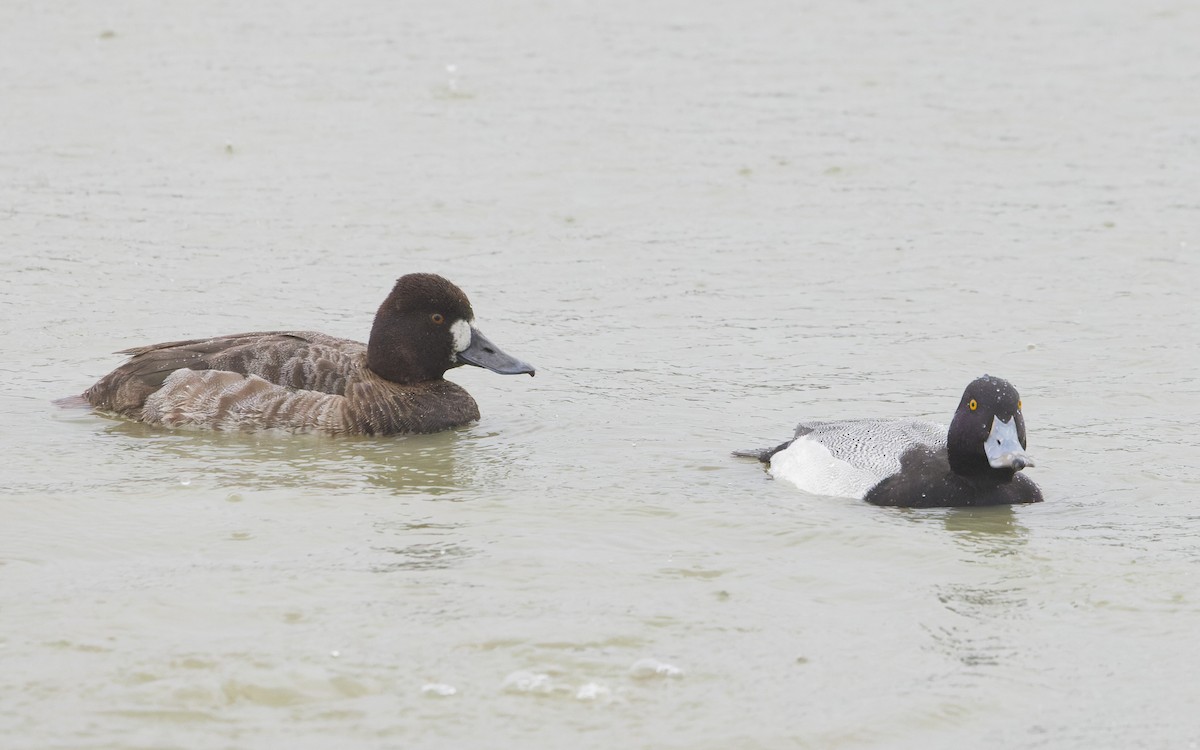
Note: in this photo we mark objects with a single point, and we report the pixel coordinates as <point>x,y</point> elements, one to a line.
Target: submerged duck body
<point>915,464</point>
<point>303,381</point>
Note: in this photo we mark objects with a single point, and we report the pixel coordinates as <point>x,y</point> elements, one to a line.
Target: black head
<point>987,435</point>
<point>425,327</point>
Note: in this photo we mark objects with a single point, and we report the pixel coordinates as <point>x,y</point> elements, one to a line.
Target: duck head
<point>425,327</point>
<point>987,434</point>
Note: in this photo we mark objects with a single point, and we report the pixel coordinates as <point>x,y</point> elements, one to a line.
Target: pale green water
<point>701,223</point>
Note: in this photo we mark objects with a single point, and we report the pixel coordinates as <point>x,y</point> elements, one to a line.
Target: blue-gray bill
<point>1003,446</point>
<point>481,352</point>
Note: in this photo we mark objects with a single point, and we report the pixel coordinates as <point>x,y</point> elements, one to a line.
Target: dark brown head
<point>425,327</point>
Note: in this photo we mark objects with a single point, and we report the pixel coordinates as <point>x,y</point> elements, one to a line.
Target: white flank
<point>811,467</point>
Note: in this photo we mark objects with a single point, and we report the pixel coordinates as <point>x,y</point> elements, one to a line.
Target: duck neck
<point>964,448</point>
<point>390,354</point>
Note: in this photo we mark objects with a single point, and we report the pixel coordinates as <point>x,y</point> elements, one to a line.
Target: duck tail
<point>762,454</point>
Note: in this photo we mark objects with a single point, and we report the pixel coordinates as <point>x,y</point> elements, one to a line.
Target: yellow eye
<point>973,404</point>
<point>1018,404</point>
<point>437,318</point>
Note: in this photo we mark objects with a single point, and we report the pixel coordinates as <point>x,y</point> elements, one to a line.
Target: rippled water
<point>702,222</point>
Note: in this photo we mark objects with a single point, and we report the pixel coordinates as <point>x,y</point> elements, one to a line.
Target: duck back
<point>294,359</point>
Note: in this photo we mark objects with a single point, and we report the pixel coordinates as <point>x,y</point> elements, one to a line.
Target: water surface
<point>702,223</point>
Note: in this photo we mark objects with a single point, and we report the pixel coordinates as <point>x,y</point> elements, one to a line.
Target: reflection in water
<point>993,530</point>
<point>450,465</point>
<point>439,465</point>
<point>443,466</point>
<point>985,597</point>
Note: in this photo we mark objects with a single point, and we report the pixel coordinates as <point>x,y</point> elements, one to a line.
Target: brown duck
<point>303,381</point>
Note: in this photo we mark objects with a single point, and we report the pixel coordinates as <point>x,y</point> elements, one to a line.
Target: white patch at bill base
<point>460,332</point>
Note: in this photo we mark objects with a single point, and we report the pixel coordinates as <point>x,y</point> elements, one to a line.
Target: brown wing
<point>292,359</point>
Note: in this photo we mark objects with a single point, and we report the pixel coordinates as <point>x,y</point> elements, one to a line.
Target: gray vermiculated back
<point>873,445</point>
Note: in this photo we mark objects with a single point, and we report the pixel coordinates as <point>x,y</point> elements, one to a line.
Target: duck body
<point>295,381</point>
<point>304,381</point>
<point>916,464</point>
<point>845,458</point>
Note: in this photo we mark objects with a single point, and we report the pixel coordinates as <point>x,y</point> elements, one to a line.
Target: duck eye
<point>437,318</point>
<point>972,404</point>
<point>1018,404</point>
